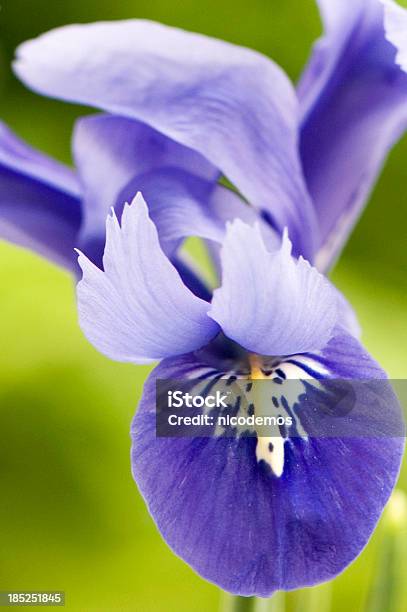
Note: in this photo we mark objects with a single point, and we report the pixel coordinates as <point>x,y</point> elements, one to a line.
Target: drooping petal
<point>232,105</point>
<point>268,302</point>
<point>110,153</point>
<point>220,507</point>
<point>39,201</point>
<point>353,100</point>
<point>138,309</point>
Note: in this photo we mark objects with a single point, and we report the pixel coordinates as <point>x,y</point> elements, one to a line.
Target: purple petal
<point>179,205</point>
<point>224,512</point>
<point>110,152</point>
<point>231,104</point>
<point>182,205</point>
<point>288,306</point>
<point>18,156</point>
<point>117,157</point>
<point>39,201</point>
<point>353,105</point>
<point>138,309</point>
<point>225,206</point>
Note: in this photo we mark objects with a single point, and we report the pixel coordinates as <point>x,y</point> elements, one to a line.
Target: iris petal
<point>111,153</point>
<point>39,201</point>
<point>353,106</point>
<point>180,205</point>
<point>268,302</point>
<point>138,309</point>
<point>240,526</point>
<point>232,105</point>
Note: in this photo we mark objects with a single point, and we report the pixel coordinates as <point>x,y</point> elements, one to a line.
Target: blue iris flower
<point>252,514</point>
<point>182,110</point>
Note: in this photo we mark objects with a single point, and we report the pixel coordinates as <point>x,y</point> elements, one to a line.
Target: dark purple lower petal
<point>234,521</point>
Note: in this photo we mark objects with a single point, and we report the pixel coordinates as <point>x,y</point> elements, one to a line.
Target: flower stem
<point>234,603</point>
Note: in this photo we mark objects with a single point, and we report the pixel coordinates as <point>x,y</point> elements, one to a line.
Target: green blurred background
<point>70,516</point>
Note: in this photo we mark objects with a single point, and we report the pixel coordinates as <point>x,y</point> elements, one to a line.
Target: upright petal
<point>39,201</point>
<point>138,309</point>
<point>232,105</point>
<point>353,100</point>
<point>220,507</point>
<point>288,306</point>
